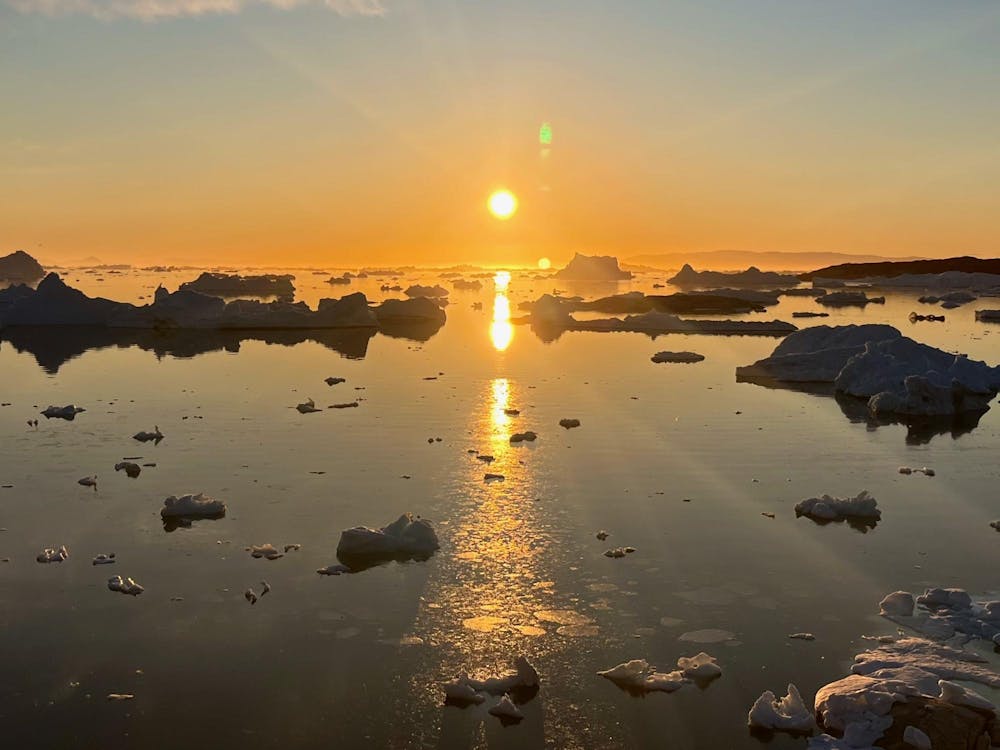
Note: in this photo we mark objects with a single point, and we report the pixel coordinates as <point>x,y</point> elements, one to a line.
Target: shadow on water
<point>54,346</point>
<point>920,430</point>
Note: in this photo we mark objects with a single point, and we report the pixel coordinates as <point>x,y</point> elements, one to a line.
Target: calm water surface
<point>679,461</point>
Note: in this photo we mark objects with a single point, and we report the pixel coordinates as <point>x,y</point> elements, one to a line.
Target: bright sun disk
<point>502,204</point>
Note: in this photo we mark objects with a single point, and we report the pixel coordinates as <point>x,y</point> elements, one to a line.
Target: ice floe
<point>131,469</point>
<point>861,507</point>
<point>680,357</point>
<point>104,559</point>
<point>895,374</point>
<point>50,554</point>
<point>638,675</point>
<point>407,537</point>
<point>62,412</point>
<point>307,407</point>
<point>145,437</point>
<point>192,506</point>
<point>787,714</point>
<point>124,585</point>
<point>569,423</point>
<point>523,437</point>
<point>751,277</point>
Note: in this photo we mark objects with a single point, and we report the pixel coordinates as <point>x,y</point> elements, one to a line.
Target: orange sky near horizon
<point>306,137</point>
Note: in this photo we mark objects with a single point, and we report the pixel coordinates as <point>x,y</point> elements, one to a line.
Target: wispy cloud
<point>154,10</point>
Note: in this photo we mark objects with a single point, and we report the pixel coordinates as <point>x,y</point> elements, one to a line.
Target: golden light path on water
<point>492,596</point>
<point>501,329</point>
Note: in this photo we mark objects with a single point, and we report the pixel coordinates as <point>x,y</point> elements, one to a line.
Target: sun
<point>544,264</point>
<point>502,204</point>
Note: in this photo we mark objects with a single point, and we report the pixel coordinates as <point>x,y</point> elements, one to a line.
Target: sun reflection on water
<point>501,329</point>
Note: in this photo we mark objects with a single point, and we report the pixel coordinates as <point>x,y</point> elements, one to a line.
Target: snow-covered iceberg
<point>895,374</point>
<point>592,268</point>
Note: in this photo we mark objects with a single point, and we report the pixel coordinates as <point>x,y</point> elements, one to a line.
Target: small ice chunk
<point>105,559</point>
<point>569,423</point>
<point>333,570</point>
<point>192,506</point>
<point>784,714</point>
<point>602,535</point>
<point>49,554</point>
<point>333,381</point>
<point>493,477</point>
<point>618,552</point>
<point>802,636</point>
<point>916,739</point>
<point>120,696</point>
<point>523,437</point>
<point>265,550</point>
<point>144,437</point>
<point>88,481</point>
<point>124,585</point>
<point>701,666</point>
<point>952,692</point>
<point>250,595</point>
<point>62,412</point>
<point>307,407</point>
<point>131,470</point>
<point>905,470</point>
<point>826,508</point>
<point>897,604</point>
<point>680,357</point>
<point>506,709</point>
<point>637,674</point>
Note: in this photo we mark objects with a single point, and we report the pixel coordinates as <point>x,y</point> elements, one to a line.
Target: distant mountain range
<point>737,260</point>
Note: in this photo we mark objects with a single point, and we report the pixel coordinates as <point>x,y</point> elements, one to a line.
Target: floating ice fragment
<point>265,550</point>
<point>62,412</point>
<point>602,535</point>
<point>307,407</point>
<point>49,554</point>
<point>521,437</point>
<point>104,559</point>
<point>802,636</point>
<point>701,666</point>
<point>678,357</point>
<point>88,482</point>
<point>569,423</point>
<point>788,714</point>
<point>407,537</point>
<point>952,692</point>
<point>334,381</point>
<point>826,508</point>
<point>192,506</point>
<point>124,585</point>
<point>145,437</point>
<point>131,470</point>
<point>618,552</point>
<point>120,696</point>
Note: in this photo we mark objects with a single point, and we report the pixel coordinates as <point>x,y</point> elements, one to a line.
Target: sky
<point>372,132</point>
